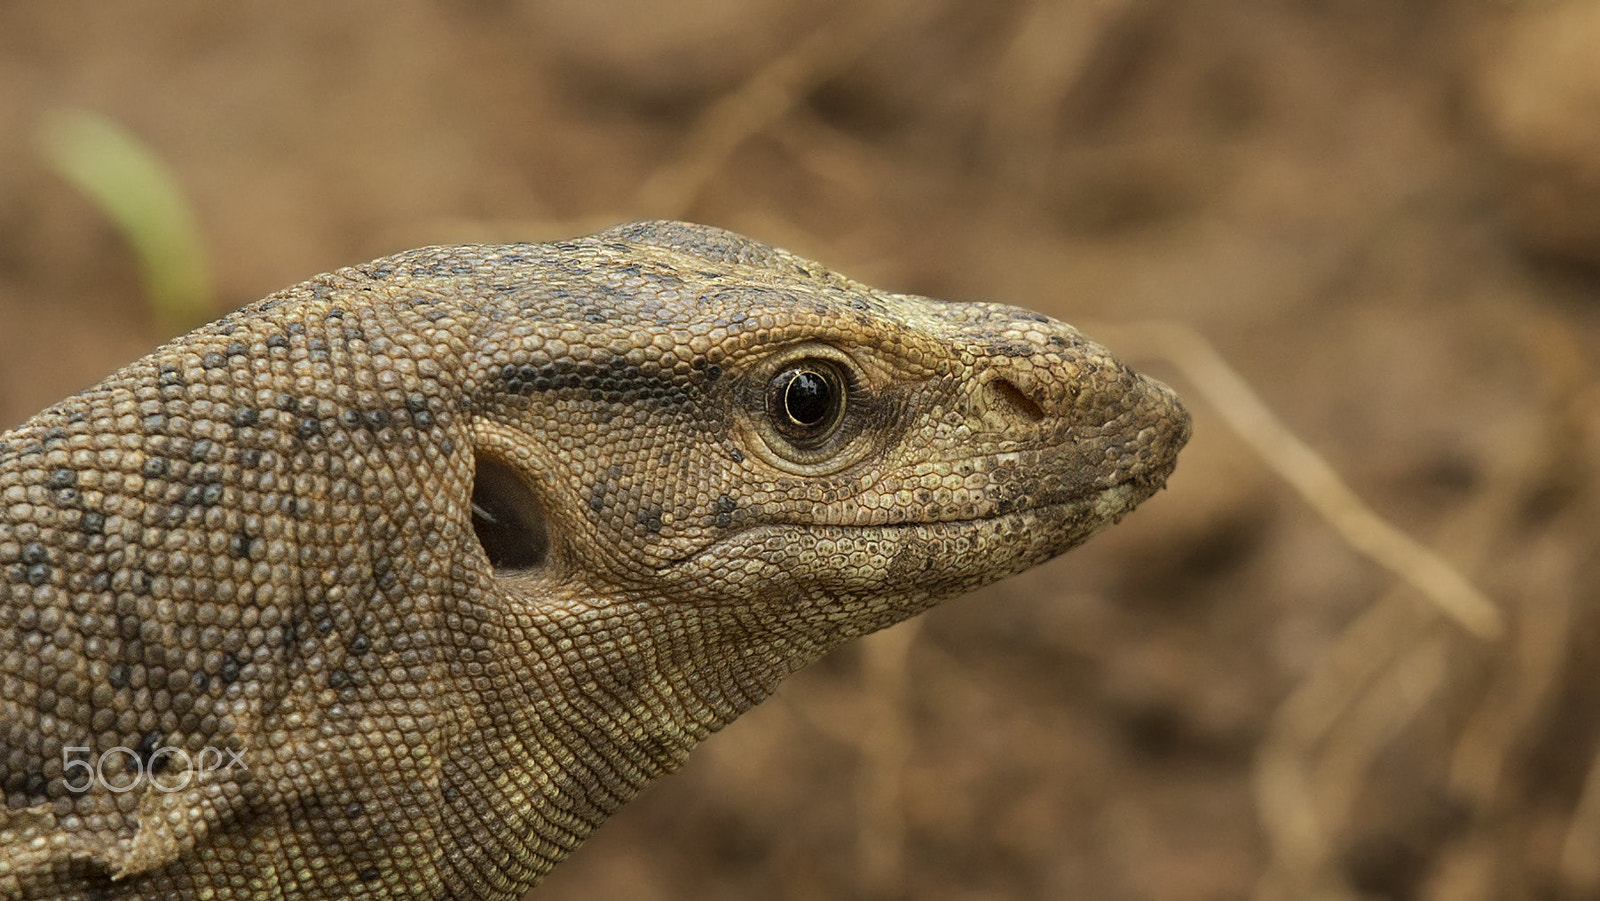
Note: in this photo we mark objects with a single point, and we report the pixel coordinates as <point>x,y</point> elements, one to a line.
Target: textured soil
<point>1375,210</point>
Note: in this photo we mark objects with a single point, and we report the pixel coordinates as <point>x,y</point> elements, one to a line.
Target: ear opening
<point>508,518</point>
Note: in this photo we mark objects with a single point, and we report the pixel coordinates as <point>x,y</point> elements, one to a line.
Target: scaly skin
<point>399,582</point>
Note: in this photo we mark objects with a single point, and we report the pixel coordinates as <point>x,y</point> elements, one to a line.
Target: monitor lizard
<point>396,583</point>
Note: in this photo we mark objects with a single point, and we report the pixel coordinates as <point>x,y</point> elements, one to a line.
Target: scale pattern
<point>398,582</point>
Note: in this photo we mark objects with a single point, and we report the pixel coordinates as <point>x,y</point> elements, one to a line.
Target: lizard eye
<point>811,410</point>
<point>806,402</point>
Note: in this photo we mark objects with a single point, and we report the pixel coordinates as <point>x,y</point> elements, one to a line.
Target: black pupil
<point>807,398</point>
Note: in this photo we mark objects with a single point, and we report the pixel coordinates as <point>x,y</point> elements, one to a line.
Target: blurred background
<point>1383,214</point>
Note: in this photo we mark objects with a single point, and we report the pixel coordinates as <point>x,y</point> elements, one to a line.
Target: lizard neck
<point>600,699</point>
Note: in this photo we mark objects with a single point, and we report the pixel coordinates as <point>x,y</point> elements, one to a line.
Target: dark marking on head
<point>383,575</point>
<point>289,634</point>
<point>725,507</point>
<point>421,415</point>
<point>615,380</point>
<point>34,786</point>
<point>206,494</point>
<point>148,743</point>
<point>241,545</point>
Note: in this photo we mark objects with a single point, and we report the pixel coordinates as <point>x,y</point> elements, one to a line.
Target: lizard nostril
<point>1009,394</point>
<point>507,518</point>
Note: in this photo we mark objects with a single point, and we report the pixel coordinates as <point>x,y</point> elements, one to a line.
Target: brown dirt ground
<point>1219,698</point>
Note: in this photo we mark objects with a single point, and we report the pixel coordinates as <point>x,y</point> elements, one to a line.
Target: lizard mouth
<point>1050,522</point>
<point>918,561</point>
<point>1095,507</point>
<point>1096,497</point>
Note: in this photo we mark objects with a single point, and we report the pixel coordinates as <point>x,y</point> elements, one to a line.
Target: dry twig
<point>761,100</point>
<point>1308,473</point>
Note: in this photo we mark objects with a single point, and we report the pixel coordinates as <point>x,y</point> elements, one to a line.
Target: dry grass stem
<point>1528,675</point>
<point>1049,50</point>
<point>885,752</point>
<point>1298,830</point>
<point>763,99</point>
<point>1303,468</point>
<point>1386,665</point>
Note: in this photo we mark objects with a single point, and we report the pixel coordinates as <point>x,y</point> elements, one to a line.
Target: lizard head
<point>725,428</point>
